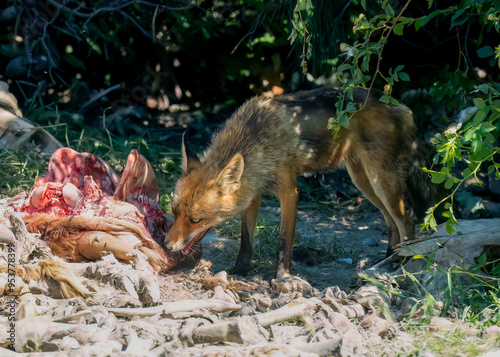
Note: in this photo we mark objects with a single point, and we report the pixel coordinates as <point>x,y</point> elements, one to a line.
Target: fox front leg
<point>248,219</point>
<point>289,198</point>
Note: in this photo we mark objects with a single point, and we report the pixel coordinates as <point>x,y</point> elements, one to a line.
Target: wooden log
<point>473,233</point>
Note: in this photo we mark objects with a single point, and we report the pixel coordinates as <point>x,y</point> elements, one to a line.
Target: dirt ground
<point>339,236</point>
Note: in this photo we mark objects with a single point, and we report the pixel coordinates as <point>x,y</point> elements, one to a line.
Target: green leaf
<point>490,138</point>
<point>73,60</point>
<point>424,20</point>
<point>470,133</point>
<point>302,5</point>
<point>479,102</point>
<point>486,127</point>
<point>93,45</point>
<point>350,107</point>
<point>343,67</point>
<point>418,23</point>
<point>449,226</point>
<point>448,184</point>
<point>484,88</point>
<point>404,76</point>
<point>438,177</point>
<point>399,68</point>
<point>476,144</point>
<point>344,120</point>
<point>480,116</point>
<point>432,223</point>
<point>385,99</point>
<point>460,17</point>
<point>389,10</point>
<point>485,51</point>
<point>398,29</point>
<point>482,259</point>
<point>496,271</point>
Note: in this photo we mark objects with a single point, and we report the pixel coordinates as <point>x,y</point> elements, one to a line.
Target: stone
<point>407,305</point>
<point>352,344</point>
<point>69,343</point>
<point>376,326</point>
<point>440,323</point>
<point>369,242</point>
<point>340,322</point>
<point>494,184</point>
<point>491,332</point>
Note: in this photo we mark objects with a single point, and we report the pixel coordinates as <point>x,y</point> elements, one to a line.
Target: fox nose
<point>168,247</point>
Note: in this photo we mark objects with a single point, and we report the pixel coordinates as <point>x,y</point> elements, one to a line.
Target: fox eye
<point>195,220</point>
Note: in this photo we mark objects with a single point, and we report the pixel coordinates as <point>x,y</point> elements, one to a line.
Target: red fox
<point>268,142</point>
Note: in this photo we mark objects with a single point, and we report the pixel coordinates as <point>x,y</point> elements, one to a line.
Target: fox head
<point>203,198</point>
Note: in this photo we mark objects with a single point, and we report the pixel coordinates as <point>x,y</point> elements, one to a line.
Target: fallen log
<point>463,247</point>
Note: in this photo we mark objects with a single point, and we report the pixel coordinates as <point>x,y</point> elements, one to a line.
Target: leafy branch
<point>300,27</point>
<point>473,140</point>
<point>354,72</point>
<point>379,60</point>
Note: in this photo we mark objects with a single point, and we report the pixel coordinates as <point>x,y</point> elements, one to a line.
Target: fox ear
<point>229,178</point>
<point>189,161</point>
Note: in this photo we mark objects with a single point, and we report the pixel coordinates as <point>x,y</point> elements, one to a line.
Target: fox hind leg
<point>392,197</point>
<point>389,190</point>
<point>362,182</point>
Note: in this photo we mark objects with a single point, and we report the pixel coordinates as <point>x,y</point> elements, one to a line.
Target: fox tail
<point>421,193</point>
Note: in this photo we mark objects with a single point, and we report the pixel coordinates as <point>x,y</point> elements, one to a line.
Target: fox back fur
<point>268,142</point>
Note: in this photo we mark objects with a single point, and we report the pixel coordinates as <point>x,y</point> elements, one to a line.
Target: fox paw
<point>295,285</point>
<point>240,269</point>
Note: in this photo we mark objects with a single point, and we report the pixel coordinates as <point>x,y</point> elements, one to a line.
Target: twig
<point>89,16</point>
<point>144,32</point>
<point>377,70</point>
<point>96,97</point>
<point>153,24</point>
<point>305,32</point>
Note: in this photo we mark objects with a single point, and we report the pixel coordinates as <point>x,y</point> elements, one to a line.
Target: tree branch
<point>377,70</point>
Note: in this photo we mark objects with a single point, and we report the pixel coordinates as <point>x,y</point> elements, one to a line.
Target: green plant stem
<point>377,69</point>
<point>305,33</point>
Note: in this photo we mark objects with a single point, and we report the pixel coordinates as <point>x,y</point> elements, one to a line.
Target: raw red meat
<point>84,209</point>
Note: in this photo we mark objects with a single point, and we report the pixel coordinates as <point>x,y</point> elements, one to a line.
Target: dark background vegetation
<point>108,76</point>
